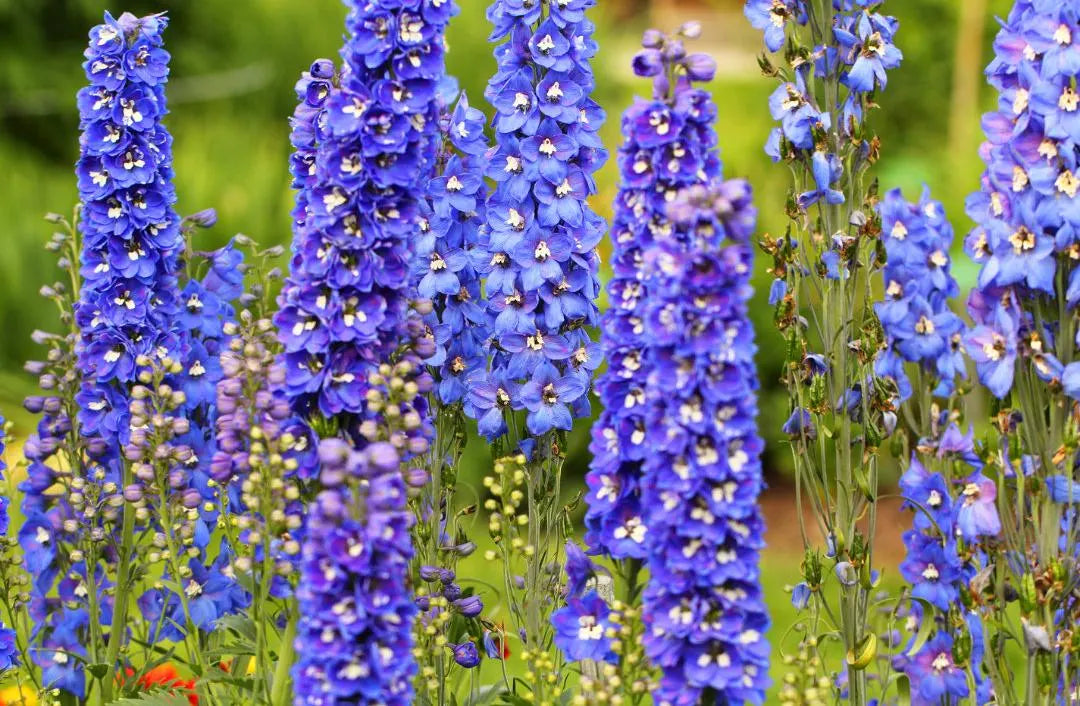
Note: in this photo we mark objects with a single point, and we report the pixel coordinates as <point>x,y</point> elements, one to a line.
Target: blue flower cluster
<point>131,233</point>
<point>9,656</point>
<point>365,140</point>
<point>862,54</point>
<point>669,144</point>
<point>703,606</point>
<point>919,325</point>
<point>539,255</point>
<point>1027,211</point>
<point>355,636</point>
<point>445,268</point>
<point>954,511</point>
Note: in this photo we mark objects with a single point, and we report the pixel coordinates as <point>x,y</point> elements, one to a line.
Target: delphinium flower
<point>951,500</point>
<point>540,251</point>
<point>703,608</point>
<point>447,275</point>
<point>954,514</point>
<point>365,141</point>
<point>131,239</point>
<point>1025,337</point>
<point>58,532</point>
<point>669,144</point>
<point>10,657</point>
<point>167,504</point>
<point>540,261</point>
<point>834,65</point>
<point>127,303</point>
<point>919,326</point>
<point>366,138</point>
<point>361,489</point>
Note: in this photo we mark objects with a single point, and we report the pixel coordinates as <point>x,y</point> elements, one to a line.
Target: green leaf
<point>157,699</point>
<point>241,625</point>
<point>925,627</point>
<point>98,671</point>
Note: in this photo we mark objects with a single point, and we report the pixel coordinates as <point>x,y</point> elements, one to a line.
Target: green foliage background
<point>234,64</point>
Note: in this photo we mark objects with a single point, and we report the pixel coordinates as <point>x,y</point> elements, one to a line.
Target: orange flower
<point>165,675</point>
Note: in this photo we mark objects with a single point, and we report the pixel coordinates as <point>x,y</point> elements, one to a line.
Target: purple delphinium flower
<point>703,606</point>
<point>953,507</point>
<point>445,266</point>
<point>581,628</point>
<point>662,135</point>
<point>538,252</point>
<point>355,636</point>
<point>772,17</point>
<point>1027,212</point>
<point>131,233</point>
<point>365,139</point>
<point>919,326</point>
<point>935,676</point>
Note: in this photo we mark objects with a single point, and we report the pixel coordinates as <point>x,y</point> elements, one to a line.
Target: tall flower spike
<point>703,605</point>
<point>1028,222</point>
<point>669,144</point>
<point>365,141</point>
<point>834,64</point>
<point>356,606</point>
<point>1024,344</point>
<point>540,254</point>
<point>131,233</point>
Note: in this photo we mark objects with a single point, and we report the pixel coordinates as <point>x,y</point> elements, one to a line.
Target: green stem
<point>280,694</point>
<point>123,586</point>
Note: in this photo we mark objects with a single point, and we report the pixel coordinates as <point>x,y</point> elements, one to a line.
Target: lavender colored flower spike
<point>539,255</point>
<point>131,233</point>
<point>669,144</point>
<point>703,606</point>
<point>919,326</point>
<point>365,139</point>
<point>355,638</point>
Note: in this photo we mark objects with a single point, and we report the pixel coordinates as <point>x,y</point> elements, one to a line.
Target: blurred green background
<point>234,65</point>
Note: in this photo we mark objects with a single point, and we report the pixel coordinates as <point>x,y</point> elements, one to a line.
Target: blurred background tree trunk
<point>964,110</point>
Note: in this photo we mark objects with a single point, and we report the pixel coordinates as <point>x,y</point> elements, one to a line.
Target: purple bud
<point>470,606</point>
<point>424,347</point>
<point>417,477</point>
<point>700,67</point>
<point>204,219</point>
<point>191,498</point>
<point>652,39</point>
<point>322,68</point>
<point>383,456</point>
<point>334,453</point>
<point>133,493</point>
<point>34,404</point>
<point>429,573</point>
<point>648,63</point>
